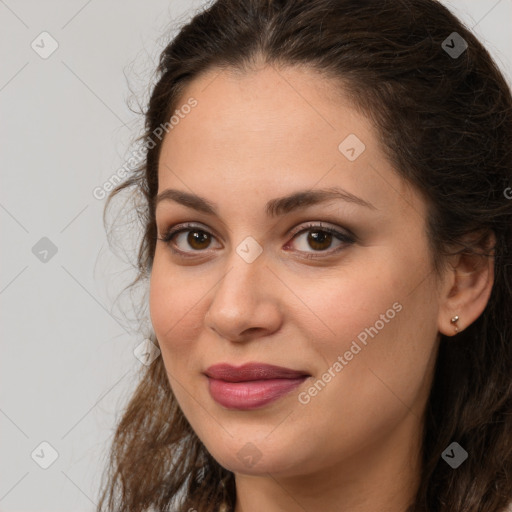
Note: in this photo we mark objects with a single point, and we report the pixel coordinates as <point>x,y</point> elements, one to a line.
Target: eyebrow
<point>274,207</point>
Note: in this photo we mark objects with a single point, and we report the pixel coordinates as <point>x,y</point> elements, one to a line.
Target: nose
<point>245,303</point>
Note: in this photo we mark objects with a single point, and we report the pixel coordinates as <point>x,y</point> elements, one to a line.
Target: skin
<point>355,445</point>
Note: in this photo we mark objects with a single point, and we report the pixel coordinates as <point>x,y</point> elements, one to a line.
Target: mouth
<point>252,385</point>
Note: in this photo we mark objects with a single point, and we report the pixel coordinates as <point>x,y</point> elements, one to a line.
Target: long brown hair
<point>445,122</point>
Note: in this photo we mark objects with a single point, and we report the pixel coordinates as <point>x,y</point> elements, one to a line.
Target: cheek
<point>343,305</point>
<point>377,315</point>
<point>171,306</point>
<point>177,305</point>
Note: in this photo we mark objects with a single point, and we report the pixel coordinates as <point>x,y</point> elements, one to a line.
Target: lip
<point>251,385</point>
<point>252,371</point>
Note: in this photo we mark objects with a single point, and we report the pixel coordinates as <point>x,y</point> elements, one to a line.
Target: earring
<point>454,320</point>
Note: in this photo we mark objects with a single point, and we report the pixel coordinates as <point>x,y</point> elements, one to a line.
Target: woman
<point>327,244</point>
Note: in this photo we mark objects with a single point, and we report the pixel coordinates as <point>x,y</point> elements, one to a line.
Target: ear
<point>467,285</point>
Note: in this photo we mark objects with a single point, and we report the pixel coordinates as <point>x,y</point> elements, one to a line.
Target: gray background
<point>67,363</point>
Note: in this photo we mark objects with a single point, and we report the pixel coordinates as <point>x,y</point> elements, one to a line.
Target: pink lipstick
<point>251,385</point>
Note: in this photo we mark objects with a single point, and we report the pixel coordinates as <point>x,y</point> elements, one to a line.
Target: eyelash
<point>347,239</point>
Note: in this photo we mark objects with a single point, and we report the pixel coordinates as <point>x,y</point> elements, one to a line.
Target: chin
<point>250,458</point>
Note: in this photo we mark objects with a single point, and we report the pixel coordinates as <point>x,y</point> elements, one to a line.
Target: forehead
<point>270,102</point>
<point>269,129</point>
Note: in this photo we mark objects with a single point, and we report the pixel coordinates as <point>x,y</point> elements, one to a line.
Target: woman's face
<point>255,283</point>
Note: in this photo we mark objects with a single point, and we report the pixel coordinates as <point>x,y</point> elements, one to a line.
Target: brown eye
<point>319,240</point>
<point>195,238</point>
<point>190,240</point>
<point>198,239</point>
